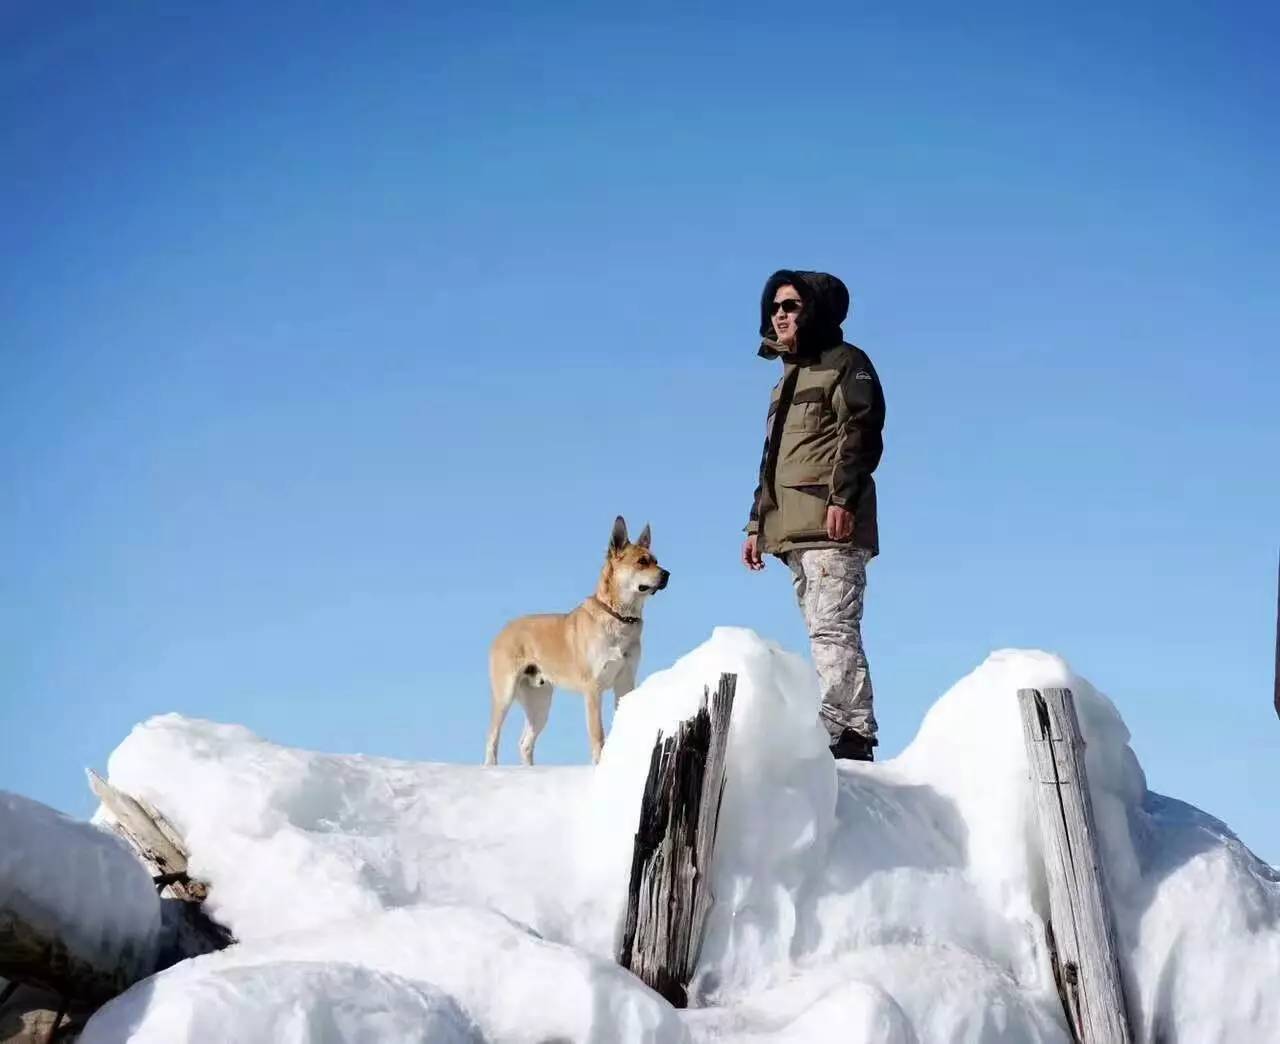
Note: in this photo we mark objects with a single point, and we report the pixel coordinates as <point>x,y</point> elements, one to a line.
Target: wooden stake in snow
<point>670,892</point>
<point>1081,929</point>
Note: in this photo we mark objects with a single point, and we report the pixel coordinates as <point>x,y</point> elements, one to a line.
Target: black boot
<point>854,746</point>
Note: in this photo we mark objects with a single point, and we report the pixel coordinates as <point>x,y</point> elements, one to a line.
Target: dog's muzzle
<point>662,581</point>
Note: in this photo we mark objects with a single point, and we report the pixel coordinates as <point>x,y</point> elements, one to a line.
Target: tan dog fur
<point>588,649</point>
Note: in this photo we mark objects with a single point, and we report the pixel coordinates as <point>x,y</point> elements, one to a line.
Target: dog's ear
<point>643,539</point>
<point>618,538</point>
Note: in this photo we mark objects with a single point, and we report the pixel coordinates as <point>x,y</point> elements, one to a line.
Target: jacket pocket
<point>808,477</point>
<point>806,410</point>
<point>803,504</point>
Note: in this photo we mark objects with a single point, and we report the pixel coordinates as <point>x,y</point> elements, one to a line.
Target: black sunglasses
<point>789,307</point>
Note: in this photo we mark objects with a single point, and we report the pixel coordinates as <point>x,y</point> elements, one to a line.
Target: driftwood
<point>188,930</point>
<point>150,835</point>
<point>1081,931</point>
<point>670,892</point>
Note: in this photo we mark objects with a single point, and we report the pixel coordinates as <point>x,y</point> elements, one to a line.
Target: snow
<point>289,1002</point>
<point>78,883</point>
<point>900,901</point>
<point>517,986</point>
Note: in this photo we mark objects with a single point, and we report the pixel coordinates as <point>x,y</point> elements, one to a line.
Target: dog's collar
<point>614,613</point>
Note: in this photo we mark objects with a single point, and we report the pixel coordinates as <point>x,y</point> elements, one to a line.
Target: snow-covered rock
<point>77,883</point>
<point>900,901</point>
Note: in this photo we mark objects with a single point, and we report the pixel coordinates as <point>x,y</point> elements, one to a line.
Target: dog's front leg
<point>626,680</point>
<point>595,723</point>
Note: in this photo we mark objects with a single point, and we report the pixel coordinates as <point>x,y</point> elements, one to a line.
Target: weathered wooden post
<point>670,893</point>
<point>1081,930</point>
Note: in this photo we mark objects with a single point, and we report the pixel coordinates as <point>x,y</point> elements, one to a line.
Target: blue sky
<point>331,338</point>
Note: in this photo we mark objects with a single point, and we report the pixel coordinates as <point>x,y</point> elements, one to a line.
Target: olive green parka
<point>823,435</point>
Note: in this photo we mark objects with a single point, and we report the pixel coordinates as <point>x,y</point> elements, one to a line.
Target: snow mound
<point>899,901</point>
<point>516,985</point>
<point>284,1002</point>
<point>80,884</point>
<point>292,839</point>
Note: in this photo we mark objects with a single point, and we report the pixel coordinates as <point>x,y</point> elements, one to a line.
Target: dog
<point>590,649</point>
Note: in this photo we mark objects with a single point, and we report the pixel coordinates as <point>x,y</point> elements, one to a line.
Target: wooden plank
<point>712,792</point>
<point>669,893</point>
<point>1081,928</point>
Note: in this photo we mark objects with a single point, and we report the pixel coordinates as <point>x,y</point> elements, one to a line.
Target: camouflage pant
<point>830,583</point>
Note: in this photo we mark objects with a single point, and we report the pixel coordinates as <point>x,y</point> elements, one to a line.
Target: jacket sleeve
<point>859,404</point>
<point>753,520</point>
